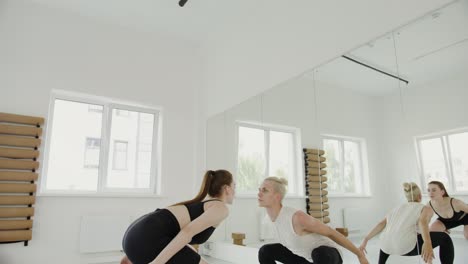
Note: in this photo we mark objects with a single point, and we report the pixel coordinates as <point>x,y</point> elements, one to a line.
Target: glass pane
<point>433,162</point>
<point>352,167</point>
<point>282,157</point>
<point>74,146</point>
<point>130,157</point>
<point>333,156</point>
<point>120,155</point>
<point>251,159</point>
<point>459,154</point>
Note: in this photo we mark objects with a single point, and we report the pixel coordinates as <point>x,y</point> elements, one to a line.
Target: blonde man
<point>400,230</point>
<point>302,237</point>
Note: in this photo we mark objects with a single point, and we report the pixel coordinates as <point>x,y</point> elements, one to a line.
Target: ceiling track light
<point>182,2</point>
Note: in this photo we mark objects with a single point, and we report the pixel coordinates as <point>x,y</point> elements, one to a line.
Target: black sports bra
<point>456,215</point>
<point>195,210</point>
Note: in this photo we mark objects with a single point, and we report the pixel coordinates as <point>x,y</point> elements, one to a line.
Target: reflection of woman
<point>399,231</point>
<point>452,212</point>
<point>165,235</point>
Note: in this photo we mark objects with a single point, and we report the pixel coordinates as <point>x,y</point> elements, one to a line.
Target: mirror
<point>391,111</point>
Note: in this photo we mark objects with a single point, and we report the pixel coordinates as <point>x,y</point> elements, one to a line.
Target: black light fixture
<point>182,2</point>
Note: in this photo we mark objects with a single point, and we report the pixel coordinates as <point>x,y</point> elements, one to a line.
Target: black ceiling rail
<point>375,69</point>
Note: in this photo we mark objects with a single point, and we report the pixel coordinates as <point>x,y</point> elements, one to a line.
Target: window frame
<point>108,105</point>
<point>443,137</point>
<point>364,164</point>
<point>298,164</point>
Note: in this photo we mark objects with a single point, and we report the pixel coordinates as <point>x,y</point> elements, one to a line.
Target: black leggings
<point>270,253</point>
<point>446,251</point>
<point>150,234</point>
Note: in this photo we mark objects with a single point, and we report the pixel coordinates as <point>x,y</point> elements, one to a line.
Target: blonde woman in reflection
<point>451,212</point>
<point>166,235</point>
<point>405,231</point>
<point>302,237</point>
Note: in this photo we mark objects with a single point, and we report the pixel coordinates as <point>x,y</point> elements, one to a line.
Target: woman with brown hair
<point>165,235</point>
<point>452,212</point>
<point>405,231</point>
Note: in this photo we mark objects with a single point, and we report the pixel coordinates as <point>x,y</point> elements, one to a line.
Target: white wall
<point>283,39</point>
<point>42,49</point>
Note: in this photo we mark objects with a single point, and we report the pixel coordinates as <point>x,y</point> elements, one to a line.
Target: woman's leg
<point>270,253</point>
<point>383,257</point>
<point>437,226</point>
<point>438,239</point>
<point>125,260</point>
<point>328,255</point>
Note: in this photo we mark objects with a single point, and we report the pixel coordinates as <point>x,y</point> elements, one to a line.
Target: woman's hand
<point>363,246</point>
<point>427,253</point>
<point>362,259</point>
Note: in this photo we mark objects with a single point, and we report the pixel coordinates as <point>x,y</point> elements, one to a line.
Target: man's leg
<point>270,253</point>
<point>383,257</point>
<point>326,255</point>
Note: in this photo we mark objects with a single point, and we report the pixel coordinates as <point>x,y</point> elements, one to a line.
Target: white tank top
<point>400,233</point>
<point>301,245</point>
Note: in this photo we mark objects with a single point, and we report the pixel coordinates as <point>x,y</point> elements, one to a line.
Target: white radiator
<point>103,233</point>
<point>353,219</point>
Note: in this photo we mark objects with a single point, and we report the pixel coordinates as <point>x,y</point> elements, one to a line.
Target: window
<point>346,165</point>
<point>92,147</point>
<point>267,150</point>
<point>120,154</point>
<point>444,157</point>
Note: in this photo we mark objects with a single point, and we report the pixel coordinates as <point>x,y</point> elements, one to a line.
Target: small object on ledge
<point>195,246</point>
<point>238,238</point>
<point>343,231</point>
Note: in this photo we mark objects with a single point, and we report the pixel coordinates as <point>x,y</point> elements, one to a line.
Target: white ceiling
<point>197,21</point>
<point>429,49</point>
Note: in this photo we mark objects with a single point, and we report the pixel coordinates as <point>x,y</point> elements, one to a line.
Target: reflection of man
<point>302,237</point>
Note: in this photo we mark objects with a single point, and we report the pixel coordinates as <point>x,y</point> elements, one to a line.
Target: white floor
<point>461,254</point>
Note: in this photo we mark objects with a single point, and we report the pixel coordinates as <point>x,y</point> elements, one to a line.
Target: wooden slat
<point>15,224</point>
<point>314,151</point>
<point>18,176</point>
<point>316,179</point>
<point>15,153</point>
<point>18,164</point>
<point>16,211</point>
<point>15,235</point>
<point>21,119</point>
<point>20,130</point>
<point>317,192</point>
<point>17,188</point>
<point>326,220</point>
<point>15,141</point>
<point>316,172</point>
<point>315,165</point>
<point>318,207</point>
<point>318,214</point>
<point>317,185</point>
<point>17,199</point>
<point>318,199</point>
<point>315,158</point>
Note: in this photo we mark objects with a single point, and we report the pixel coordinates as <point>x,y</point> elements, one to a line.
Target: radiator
<point>102,233</point>
<point>353,219</point>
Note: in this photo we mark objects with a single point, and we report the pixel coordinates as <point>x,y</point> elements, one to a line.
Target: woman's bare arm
<point>214,215</point>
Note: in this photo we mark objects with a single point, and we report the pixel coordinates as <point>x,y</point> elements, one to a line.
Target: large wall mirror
<point>391,111</point>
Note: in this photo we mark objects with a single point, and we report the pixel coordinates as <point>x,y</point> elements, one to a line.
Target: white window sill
<point>101,195</point>
<point>349,195</point>
<point>254,196</point>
